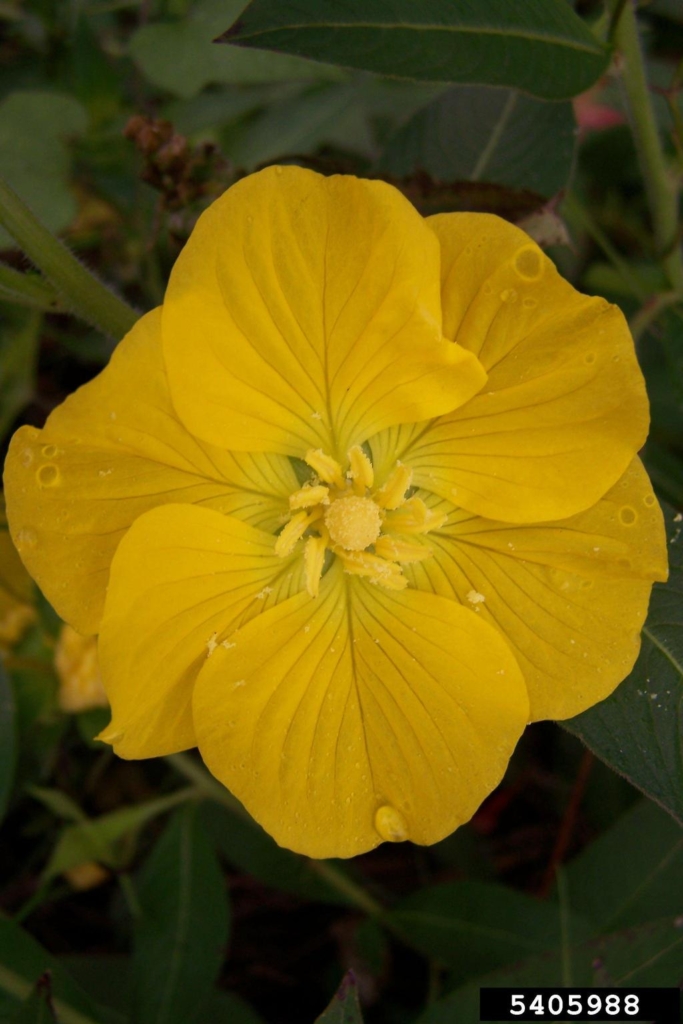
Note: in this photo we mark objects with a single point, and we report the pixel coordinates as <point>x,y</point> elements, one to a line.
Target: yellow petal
<point>570,597</point>
<point>16,590</point>
<point>182,580</point>
<point>112,451</point>
<point>564,409</point>
<point>360,716</point>
<point>304,312</point>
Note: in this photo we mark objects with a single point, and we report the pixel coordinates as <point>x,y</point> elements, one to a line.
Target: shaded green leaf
<point>617,891</point>
<point>540,46</point>
<point>229,1008</point>
<point>8,740</point>
<point>23,961</point>
<point>181,57</point>
<point>34,158</point>
<point>475,926</point>
<point>98,838</point>
<point>246,846</point>
<point>37,1009</point>
<point>19,339</point>
<point>647,956</point>
<point>344,1007</point>
<point>471,133</point>
<point>180,937</point>
<point>638,731</point>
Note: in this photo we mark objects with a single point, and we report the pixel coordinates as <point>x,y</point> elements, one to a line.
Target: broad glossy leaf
<point>344,1007</point>
<point>180,56</point>
<point>647,956</point>
<point>470,133</point>
<point>24,961</point>
<point>8,740</point>
<point>540,46</point>
<point>638,731</point>
<point>34,158</point>
<point>246,846</point>
<point>98,838</point>
<point>614,890</point>
<point>475,926</point>
<point>180,938</point>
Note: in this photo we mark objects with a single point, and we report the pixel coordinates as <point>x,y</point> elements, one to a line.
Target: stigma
<point>340,511</point>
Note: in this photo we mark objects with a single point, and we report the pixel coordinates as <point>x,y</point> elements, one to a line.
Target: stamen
<point>392,495</point>
<point>327,468</point>
<point>400,550</point>
<point>414,517</point>
<point>375,569</point>
<point>294,530</point>
<point>309,495</point>
<point>360,469</point>
<point>314,558</point>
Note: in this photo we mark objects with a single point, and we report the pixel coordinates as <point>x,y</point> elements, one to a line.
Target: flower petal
<point>182,580</point>
<point>360,716</point>
<point>112,451</point>
<point>569,597</point>
<point>564,409</point>
<point>304,312</point>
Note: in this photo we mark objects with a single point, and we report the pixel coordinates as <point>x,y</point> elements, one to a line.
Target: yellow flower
<point>78,671</point>
<point>360,501</point>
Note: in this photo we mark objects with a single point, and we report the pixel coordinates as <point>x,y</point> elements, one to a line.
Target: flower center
<point>363,526</point>
<point>353,522</point>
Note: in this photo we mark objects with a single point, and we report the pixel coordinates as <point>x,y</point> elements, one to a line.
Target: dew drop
<point>529,303</point>
<point>278,171</point>
<point>589,358</point>
<point>624,563</point>
<point>391,825</point>
<point>628,515</point>
<point>49,451</point>
<point>528,263</point>
<point>508,295</point>
<point>27,538</point>
<point>586,584</point>
<point>48,476</point>
<point>26,457</point>
<point>649,500</point>
<point>487,289</point>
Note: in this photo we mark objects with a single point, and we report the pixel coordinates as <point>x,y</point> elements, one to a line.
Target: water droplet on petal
<point>487,289</point>
<point>529,303</point>
<point>649,500</point>
<point>589,358</point>
<point>628,515</point>
<point>26,538</point>
<point>508,295</point>
<point>49,451</point>
<point>48,476</point>
<point>26,457</point>
<point>528,263</point>
<point>391,825</point>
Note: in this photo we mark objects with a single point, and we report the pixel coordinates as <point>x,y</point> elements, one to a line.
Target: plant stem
<point>78,288</point>
<point>574,209</point>
<point>660,186</point>
<point>205,783</point>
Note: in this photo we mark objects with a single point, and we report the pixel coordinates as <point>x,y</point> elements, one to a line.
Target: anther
<point>392,494</point>
<point>327,468</point>
<point>360,469</point>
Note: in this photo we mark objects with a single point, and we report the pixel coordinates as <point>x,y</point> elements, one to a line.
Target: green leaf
<point>617,891</point>
<point>345,1007</point>
<point>34,158</point>
<point>246,846</point>
<point>180,937</point>
<point>638,731</point>
<point>8,740</point>
<point>300,124</point>
<point>470,133</point>
<point>23,961</point>
<point>98,838</point>
<point>647,956</point>
<point>181,57</point>
<point>229,1008</point>
<point>476,926</point>
<point>19,340</point>
<point>539,46</point>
